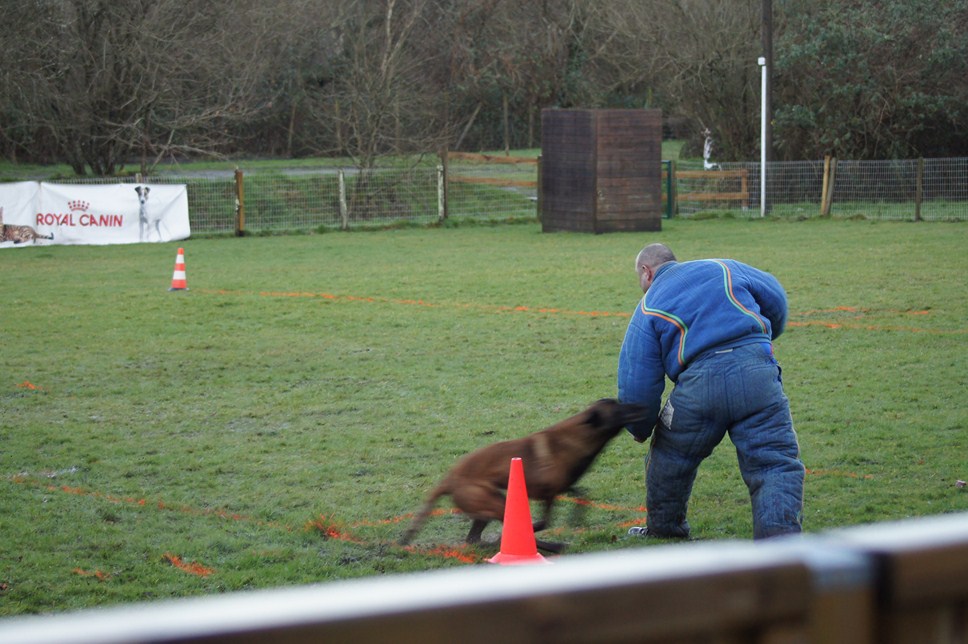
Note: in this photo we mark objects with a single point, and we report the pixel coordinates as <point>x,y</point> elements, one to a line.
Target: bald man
<point>709,325</point>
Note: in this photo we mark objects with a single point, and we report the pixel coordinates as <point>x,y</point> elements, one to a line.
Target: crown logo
<point>79,204</point>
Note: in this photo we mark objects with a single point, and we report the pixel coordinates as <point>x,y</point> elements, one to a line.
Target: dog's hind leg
<point>422,515</point>
<point>555,547</point>
<point>415,526</point>
<point>579,506</point>
<point>477,529</point>
<point>548,546</point>
<point>482,503</point>
<point>545,520</point>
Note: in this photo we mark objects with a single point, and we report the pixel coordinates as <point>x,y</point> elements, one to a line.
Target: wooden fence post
<point>343,210</point>
<point>441,207</point>
<point>442,192</point>
<point>827,192</point>
<point>826,178</point>
<point>673,189</point>
<point>919,190</point>
<point>537,201</point>
<point>239,204</point>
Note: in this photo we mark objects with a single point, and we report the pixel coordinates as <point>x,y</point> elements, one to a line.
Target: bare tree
<point>535,63</point>
<point>710,48</point>
<point>507,60</point>
<point>378,99</point>
<point>102,84</point>
<point>622,62</point>
<point>108,80</point>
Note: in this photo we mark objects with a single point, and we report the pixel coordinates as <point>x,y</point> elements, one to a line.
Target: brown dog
<point>553,459</point>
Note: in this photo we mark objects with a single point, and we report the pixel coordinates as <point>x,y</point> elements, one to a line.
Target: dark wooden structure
<point>601,170</point>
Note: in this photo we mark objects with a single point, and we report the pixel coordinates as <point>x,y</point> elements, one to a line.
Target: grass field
<point>277,423</point>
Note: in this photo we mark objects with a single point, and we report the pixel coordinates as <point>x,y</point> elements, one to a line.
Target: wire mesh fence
<point>301,200</point>
<point>339,199</point>
<point>351,198</point>
<point>483,186</point>
<point>902,190</point>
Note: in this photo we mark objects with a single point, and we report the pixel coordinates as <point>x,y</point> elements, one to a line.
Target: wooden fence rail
<point>714,176</point>
<point>743,195</point>
<point>454,177</point>
<point>490,158</point>
<point>889,583</point>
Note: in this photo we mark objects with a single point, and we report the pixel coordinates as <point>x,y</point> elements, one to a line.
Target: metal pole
<point>762,63</point>
<point>767,38</point>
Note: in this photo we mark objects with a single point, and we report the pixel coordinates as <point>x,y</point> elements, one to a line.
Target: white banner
<point>50,213</point>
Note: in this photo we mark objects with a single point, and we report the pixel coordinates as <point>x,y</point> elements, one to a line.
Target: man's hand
<point>640,437</point>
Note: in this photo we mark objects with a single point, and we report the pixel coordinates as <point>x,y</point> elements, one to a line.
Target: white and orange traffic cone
<point>179,282</point>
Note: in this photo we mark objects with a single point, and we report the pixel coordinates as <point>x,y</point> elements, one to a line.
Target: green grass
<point>932,211</point>
<point>19,171</point>
<point>277,423</point>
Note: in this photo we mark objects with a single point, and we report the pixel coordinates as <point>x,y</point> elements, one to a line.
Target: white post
<point>762,63</point>
<point>441,194</point>
<point>343,210</point>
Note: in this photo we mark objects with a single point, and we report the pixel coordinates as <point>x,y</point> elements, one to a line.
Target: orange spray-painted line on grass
<point>330,530</point>
<point>875,327</point>
<point>129,500</point>
<point>161,505</point>
<point>424,303</point>
<point>798,321</point>
<point>97,574</point>
<point>446,553</point>
<point>864,311</point>
<point>840,473</point>
<point>324,526</point>
<point>192,568</point>
<point>436,512</point>
<point>598,506</point>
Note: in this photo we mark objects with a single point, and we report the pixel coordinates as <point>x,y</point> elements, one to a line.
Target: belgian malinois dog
<point>553,459</point>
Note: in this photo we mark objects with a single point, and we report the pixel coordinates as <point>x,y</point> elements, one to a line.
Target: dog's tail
<point>421,517</point>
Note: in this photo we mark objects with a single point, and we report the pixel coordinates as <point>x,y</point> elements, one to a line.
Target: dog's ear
<point>138,190</point>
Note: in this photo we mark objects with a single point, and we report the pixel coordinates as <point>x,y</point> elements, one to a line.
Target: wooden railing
<point>742,195</point>
<point>888,583</point>
<point>488,158</point>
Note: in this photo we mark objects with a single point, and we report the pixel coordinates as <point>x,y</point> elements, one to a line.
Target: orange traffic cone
<point>518,545</point>
<point>178,280</point>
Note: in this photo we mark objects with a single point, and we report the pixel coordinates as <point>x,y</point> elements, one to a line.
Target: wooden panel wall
<point>601,170</point>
